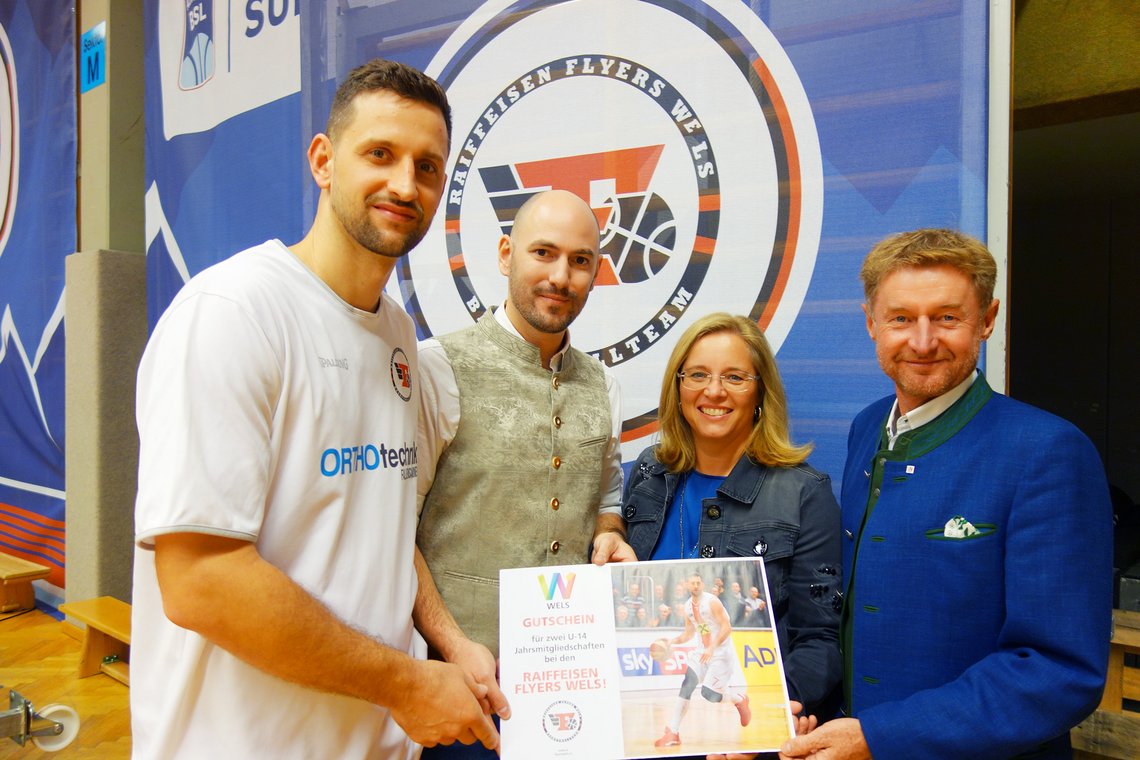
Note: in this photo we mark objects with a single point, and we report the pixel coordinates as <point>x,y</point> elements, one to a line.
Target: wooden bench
<point>16,576</point>
<point>1112,731</point>
<point>107,642</point>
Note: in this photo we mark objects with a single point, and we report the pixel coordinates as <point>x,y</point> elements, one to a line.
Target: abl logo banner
<point>215,56</point>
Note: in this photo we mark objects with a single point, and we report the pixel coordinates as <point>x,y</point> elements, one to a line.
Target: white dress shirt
<point>897,424</point>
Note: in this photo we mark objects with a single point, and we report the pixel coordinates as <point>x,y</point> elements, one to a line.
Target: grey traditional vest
<point>520,484</point>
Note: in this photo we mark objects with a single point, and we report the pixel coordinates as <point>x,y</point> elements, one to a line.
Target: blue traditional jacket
<point>978,561</point>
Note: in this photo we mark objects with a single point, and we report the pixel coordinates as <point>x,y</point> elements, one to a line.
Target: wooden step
<point>16,576</point>
<point>107,640</point>
<point>1112,731</point>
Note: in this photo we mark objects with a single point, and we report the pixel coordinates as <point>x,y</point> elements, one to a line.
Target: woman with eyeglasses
<point>725,481</point>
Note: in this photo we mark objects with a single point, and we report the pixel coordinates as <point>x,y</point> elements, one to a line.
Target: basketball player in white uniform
<point>712,666</point>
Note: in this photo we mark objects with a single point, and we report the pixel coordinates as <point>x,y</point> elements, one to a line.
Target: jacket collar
<point>742,484</point>
<point>923,440</point>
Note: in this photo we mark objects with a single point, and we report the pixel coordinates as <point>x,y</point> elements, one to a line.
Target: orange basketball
<point>660,650</point>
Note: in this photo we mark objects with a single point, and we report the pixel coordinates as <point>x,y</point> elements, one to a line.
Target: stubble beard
<point>524,300</point>
<point>382,242</point>
<point>929,387</point>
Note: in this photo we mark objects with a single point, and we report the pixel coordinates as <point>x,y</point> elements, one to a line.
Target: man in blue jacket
<point>977,536</point>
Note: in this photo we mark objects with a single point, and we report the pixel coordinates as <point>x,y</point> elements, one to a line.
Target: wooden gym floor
<point>706,727</point>
<point>39,659</point>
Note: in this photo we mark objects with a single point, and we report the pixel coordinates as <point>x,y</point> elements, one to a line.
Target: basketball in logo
<point>198,45</point>
<point>692,141</point>
<point>9,139</point>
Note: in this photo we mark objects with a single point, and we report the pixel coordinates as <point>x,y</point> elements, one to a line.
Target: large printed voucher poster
<point>641,659</point>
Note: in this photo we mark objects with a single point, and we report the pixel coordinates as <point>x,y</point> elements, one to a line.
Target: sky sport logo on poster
<point>693,142</point>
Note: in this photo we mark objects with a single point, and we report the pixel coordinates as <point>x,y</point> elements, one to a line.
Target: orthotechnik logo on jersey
<point>694,144</point>
<point>349,460</point>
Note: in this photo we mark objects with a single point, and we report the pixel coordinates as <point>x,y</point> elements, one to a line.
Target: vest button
<point>557,421</point>
<point>630,511</point>
<point>707,551</point>
<point>714,513</point>
<point>556,462</point>
<point>554,503</point>
<point>554,381</point>
<point>554,546</point>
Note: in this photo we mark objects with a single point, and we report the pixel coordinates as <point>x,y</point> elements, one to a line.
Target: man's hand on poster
<point>803,723</point>
<point>839,739</point>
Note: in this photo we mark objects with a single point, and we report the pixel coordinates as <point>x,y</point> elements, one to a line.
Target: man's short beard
<point>388,244</point>
<point>381,242</point>
<point>536,318</point>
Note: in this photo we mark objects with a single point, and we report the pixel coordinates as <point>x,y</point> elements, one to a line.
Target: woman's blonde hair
<point>769,443</point>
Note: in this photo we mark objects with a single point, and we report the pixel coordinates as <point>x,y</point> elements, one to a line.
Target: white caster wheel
<point>60,714</point>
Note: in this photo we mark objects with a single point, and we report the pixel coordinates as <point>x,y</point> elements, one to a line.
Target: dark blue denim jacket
<point>788,516</point>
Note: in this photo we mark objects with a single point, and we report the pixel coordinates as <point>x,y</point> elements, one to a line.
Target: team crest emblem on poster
<point>9,138</point>
<point>692,141</point>
<point>562,720</point>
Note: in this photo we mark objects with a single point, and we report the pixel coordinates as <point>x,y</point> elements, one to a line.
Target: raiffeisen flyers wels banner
<point>694,145</point>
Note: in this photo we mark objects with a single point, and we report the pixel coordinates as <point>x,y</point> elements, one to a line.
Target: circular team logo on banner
<point>9,139</point>
<point>693,142</point>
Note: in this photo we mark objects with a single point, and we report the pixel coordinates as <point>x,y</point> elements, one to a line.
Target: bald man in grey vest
<point>519,436</point>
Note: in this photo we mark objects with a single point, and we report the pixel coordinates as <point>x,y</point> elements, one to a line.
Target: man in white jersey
<point>276,575</point>
<point>712,666</point>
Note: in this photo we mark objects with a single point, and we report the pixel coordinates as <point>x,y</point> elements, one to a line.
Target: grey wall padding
<point>106,331</point>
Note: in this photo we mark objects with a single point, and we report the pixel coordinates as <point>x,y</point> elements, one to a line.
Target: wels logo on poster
<point>562,583</point>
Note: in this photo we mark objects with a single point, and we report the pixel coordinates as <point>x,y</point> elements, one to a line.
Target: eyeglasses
<point>698,380</point>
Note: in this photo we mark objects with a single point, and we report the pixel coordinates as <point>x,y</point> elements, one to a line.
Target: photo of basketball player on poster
<point>701,670</point>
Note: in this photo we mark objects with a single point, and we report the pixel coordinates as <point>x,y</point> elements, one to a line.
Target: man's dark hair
<point>380,74</point>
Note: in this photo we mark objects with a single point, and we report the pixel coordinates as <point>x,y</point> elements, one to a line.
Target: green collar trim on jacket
<point>930,436</point>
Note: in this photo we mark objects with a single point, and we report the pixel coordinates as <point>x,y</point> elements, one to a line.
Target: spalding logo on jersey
<point>9,139</point>
<point>693,142</point>
<point>197,65</point>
